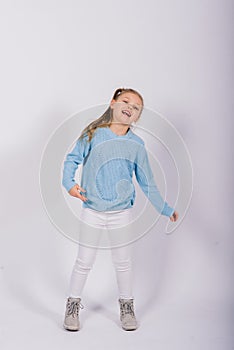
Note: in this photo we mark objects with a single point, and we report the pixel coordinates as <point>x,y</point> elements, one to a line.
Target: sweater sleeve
<point>73,159</point>
<point>145,178</point>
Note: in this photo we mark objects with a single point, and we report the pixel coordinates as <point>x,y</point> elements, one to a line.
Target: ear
<point>112,103</point>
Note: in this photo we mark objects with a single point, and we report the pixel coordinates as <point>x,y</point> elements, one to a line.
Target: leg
<point>86,254</point>
<point>83,264</point>
<point>122,260</point>
<point>121,257</point>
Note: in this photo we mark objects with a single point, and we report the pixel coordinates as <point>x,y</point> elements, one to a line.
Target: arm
<point>73,159</point>
<point>145,178</point>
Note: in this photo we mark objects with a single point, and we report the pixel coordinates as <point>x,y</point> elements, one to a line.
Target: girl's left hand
<point>174,216</point>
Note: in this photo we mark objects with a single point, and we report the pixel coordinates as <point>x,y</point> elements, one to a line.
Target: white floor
<point>181,302</point>
<point>38,325</point>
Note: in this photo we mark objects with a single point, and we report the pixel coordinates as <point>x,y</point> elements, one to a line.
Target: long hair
<point>106,118</point>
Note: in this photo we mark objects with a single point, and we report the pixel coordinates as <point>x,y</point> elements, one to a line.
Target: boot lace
<point>126,307</point>
<point>73,308</point>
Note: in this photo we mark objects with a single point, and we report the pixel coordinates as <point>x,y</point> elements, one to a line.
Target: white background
<point>59,57</point>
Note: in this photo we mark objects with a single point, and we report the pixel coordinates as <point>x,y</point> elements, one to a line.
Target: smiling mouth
<point>127,113</point>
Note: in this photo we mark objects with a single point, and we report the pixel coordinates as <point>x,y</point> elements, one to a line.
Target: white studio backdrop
<point>60,57</point>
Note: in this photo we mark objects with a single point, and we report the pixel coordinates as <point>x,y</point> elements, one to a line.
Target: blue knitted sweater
<point>109,161</point>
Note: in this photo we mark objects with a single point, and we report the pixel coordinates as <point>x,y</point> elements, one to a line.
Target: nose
<point>129,106</point>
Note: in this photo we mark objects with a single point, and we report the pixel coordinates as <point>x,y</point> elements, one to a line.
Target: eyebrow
<point>133,103</point>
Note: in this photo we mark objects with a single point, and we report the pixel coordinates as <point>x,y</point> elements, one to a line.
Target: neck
<point>119,129</point>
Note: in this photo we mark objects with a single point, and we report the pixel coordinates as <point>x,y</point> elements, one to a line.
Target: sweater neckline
<point>127,135</point>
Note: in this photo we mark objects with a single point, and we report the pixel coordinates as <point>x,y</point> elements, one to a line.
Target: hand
<point>75,192</point>
<point>174,216</point>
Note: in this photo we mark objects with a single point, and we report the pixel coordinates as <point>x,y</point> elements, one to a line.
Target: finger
<point>83,198</point>
<point>81,189</point>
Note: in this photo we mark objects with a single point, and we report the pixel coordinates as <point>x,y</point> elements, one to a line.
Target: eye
<point>135,107</point>
<point>125,101</point>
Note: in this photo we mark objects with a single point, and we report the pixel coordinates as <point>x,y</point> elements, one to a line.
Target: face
<point>127,108</point>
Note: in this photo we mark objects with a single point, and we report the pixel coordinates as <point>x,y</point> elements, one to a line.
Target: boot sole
<point>133,328</point>
<point>72,329</point>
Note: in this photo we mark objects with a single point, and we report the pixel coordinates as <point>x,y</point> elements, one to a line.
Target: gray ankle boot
<point>127,315</point>
<point>71,320</point>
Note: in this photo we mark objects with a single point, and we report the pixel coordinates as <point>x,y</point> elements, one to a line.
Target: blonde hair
<point>106,118</point>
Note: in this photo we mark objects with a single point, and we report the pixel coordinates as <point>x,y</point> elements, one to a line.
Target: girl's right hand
<point>75,192</point>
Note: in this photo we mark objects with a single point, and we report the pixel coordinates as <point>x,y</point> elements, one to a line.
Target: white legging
<point>121,256</point>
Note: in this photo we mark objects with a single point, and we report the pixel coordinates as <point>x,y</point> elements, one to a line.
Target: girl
<point>108,195</point>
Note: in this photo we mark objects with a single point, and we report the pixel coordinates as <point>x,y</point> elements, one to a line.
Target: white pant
<point>121,256</point>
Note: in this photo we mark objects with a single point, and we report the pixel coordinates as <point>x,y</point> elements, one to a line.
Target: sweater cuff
<point>167,210</point>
